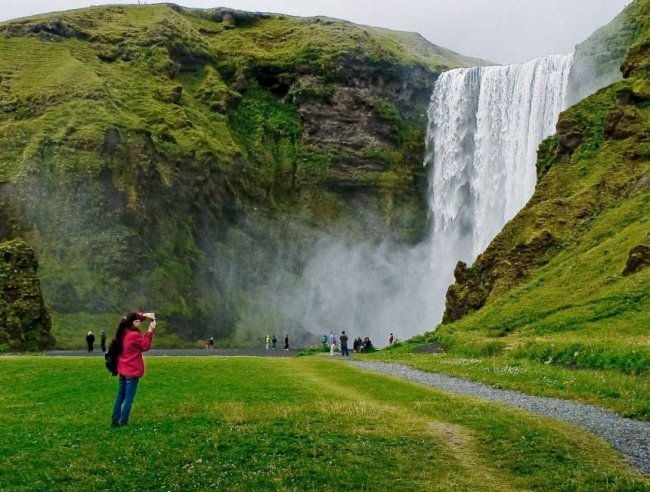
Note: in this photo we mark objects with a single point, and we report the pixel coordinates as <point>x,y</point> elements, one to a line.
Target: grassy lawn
<point>310,423</point>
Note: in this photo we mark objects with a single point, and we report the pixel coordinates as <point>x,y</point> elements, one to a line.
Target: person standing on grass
<point>274,342</point>
<point>332,343</point>
<point>102,339</point>
<point>286,342</point>
<point>90,341</point>
<point>344,344</point>
<point>128,346</point>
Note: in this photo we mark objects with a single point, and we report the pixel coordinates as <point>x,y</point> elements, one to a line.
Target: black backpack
<point>110,360</point>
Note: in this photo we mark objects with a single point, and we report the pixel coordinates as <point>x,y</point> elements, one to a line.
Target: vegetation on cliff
<point>148,152</point>
<point>24,321</point>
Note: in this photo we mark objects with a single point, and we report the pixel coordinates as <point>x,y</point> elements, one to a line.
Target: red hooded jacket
<point>130,362</point>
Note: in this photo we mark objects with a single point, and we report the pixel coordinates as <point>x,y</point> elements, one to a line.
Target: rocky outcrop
<point>24,321</point>
<point>491,275</point>
<point>53,29</point>
<point>639,258</point>
<point>569,135</point>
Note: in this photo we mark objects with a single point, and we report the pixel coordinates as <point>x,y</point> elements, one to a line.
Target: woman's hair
<point>125,325</point>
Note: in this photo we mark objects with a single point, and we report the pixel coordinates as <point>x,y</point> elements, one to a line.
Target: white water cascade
<point>485,125</point>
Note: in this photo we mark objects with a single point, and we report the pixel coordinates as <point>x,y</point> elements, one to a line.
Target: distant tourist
<point>128,346</point>
<point>324,341</point>
<point>391,339</point>
<point>267,342</point>
<point>356,345</point>
<point>211,343</point>
<point>344,344</point>
<point>367,344</point>
<point>274,342</point>
<point>102,340</point>
<point>286,342</point>
<point>332,343</point>
<point>90,341</point>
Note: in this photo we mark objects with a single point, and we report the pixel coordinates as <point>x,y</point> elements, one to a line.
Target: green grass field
<point>306,423</point>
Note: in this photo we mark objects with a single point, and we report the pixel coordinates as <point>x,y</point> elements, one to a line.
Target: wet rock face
<point>361,111</point>
<point>347,123</point>
<point>24,321</point>
<point>351,112</point>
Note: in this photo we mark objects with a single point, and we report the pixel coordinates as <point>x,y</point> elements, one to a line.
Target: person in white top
<point>332,343</point>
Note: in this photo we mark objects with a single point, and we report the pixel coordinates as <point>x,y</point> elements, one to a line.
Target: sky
<point>502,31</point>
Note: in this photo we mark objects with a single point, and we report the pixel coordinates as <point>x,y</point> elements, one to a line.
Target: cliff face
<point>162,158</point>
<point>581,242</point>
<point>24,321</point>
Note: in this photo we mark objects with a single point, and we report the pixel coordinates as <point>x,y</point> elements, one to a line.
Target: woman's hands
<point>152,326</point>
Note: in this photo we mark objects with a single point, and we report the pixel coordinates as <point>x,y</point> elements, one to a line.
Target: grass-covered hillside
<point>160,158</point>
<point>559,303</point>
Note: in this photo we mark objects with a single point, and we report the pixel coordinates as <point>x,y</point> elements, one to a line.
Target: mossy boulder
<point>24,321</point>
<point>639,258</point>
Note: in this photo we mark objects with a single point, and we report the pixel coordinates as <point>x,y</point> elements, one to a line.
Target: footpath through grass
<point>245,423</point>
<point>611,388</point>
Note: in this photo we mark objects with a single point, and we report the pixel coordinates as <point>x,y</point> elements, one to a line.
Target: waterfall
<point>485,124</point>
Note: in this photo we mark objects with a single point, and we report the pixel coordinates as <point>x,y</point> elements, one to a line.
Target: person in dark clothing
<point>286,342</point>
<point>102,339</point>
<point>367,344</point>
<point>344,345</point>
<point>90,340</point>
<point>274,341</point>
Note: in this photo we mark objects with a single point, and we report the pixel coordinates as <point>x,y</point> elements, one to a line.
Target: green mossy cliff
<point>148,152</point>
<point>24,321</point>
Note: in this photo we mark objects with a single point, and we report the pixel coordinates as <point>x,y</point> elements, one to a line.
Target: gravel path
<point>631,437</point>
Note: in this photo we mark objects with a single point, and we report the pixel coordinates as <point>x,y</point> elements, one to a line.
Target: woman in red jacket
<point>129,344</point>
